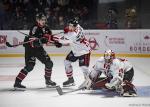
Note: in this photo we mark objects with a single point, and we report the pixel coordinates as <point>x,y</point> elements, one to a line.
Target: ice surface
<point>38,96</point>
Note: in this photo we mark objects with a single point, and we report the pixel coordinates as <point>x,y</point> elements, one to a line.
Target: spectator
<point>131,18</point>
<point>112,19</point>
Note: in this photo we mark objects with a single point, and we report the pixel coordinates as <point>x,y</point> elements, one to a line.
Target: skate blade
<point>69,85</point>
<point>50,86</point>
<point>19,89</point>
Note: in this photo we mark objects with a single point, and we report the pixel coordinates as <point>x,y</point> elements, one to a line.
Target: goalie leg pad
<point>128,89</point>
<point>86,84</point>
<point>94,75</point>
<point>100,83</point>
<point>85,71</point>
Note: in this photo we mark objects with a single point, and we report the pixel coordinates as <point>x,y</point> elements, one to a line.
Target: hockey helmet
<point>73,22</point>
<point>40,16</point>
<point>109,55</point>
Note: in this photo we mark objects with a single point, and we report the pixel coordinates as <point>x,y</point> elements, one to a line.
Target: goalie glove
<point>114,84</point>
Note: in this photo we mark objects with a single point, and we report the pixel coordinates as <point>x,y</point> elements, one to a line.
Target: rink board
<point>128,43</point>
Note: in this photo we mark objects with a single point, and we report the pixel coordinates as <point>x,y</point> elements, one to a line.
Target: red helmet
<point>109,55</point>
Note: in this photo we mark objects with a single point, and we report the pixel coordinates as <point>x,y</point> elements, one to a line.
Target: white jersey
<point>79,44</point>
<point>116,69</point>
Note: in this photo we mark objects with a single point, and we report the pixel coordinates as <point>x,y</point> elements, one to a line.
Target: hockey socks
<point>22,74</point>
<point>48,81</point>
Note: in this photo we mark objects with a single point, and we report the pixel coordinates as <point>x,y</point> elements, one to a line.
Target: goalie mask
<point>109,55</point>
<point>41,19</point>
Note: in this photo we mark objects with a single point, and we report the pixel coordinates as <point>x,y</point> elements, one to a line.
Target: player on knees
<point>41,34</point>
<point>118,75</point>
<point>80,50</point>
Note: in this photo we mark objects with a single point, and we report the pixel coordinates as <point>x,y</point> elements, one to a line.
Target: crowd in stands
<point>20,14</point>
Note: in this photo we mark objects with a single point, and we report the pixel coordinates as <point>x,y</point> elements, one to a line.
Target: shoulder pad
<point>34,29</point>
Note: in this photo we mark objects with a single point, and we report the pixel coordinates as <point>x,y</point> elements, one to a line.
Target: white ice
<point>38,97</point>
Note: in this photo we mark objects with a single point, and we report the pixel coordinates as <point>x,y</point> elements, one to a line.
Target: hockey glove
<point>47,38</point>
<point>66,29</point>
<point>57,44</point>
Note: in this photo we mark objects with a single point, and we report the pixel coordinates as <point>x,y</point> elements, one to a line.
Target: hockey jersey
<point>116,69</point>
<point>76,39</point>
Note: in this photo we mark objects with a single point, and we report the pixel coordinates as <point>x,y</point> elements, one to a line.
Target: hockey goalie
<point>118,75</point>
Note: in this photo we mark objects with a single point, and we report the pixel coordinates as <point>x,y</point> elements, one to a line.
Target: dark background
<point>92,14</point>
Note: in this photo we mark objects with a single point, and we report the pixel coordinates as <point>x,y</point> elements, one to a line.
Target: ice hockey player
<point>40,34</point>
<point>119,75</point>
<point>80,50</point>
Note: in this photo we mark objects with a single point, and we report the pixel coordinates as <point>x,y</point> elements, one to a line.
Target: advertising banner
<point>121,41</point>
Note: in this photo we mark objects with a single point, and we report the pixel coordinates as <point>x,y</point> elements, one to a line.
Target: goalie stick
<point>60,91</point>
<point>22,43</point>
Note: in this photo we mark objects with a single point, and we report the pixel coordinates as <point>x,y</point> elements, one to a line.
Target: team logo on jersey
<point>93,43</point>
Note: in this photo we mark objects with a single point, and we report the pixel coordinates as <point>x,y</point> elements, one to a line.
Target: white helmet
<point>109,55</point>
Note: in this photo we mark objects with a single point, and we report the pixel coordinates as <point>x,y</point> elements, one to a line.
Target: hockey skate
<point>19,86</point>
<point>69,82</point>
<point>50,84</point>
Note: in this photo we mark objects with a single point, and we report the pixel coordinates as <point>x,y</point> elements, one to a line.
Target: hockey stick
<point>60,91</point>
<point>28,35</point>
<point>22,33</point>
<point>22,43</point>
